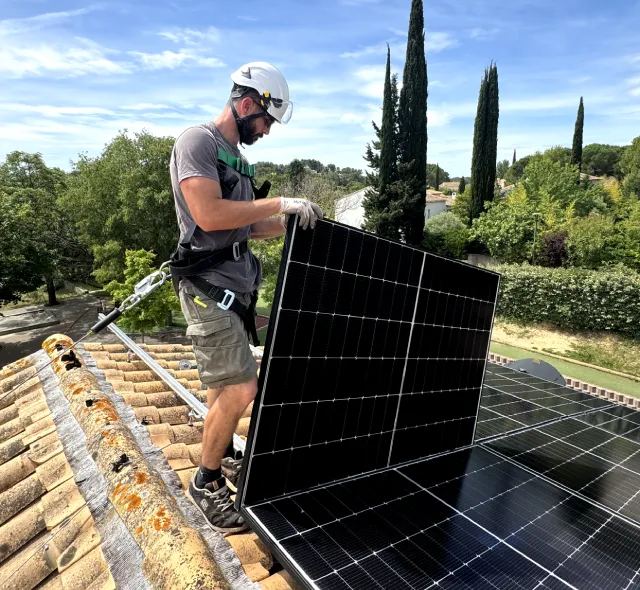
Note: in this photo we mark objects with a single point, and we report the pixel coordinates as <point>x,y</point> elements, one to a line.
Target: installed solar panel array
<point>375,359</point>
<point>512,401</point>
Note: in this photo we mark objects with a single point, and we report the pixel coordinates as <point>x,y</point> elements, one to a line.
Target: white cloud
<point>86,57</point>
<point>438,118</point>
<point>371,80</point>
<point>580,79</point>
<point>351,118</point>
<point>191,36</point>
<point>436,41</point>
<point>380,49</point>
<point>12,26</point>
<point>483,34</point>
<point>171,60</point>
<point>54,111</point>
<point>145,106</point>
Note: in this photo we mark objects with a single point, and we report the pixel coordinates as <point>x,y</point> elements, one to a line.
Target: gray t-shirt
<point>195,153</point>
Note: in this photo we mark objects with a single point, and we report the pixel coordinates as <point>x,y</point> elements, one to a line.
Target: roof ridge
<point>176,556</point>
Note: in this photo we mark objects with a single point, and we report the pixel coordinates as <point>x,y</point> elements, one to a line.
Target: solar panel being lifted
<point>375,357</point>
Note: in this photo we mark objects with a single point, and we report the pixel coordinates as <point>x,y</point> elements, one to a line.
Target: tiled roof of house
<point>452,185</point>
<point>435,196</point>
<point>47,531</point>
<point>120,409</point>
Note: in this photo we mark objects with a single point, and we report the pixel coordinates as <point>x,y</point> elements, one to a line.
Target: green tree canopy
<point>412,131</point>
<point>559,155</point>
<point>576,151</point>
<point>516,171</point>
<point>485,142</point>
<point>501,168</point>
<point>431,175</point>
<point>42,234</point>
<point>602,160</point>
<point>381,212</point>
<point>630,167</point>
<point>124,196</point>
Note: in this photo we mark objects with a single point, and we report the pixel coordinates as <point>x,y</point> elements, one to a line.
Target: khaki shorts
<point>220,342</point>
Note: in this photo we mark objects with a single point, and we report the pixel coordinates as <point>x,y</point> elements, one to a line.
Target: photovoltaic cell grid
<point>512,401</point>
<point>596,455</point>
<point>469,519</point>
<point>377,352</point>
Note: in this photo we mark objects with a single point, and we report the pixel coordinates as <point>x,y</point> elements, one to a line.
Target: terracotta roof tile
<point>181,444</point>
<point>43,516</point>
<point>48,536</point>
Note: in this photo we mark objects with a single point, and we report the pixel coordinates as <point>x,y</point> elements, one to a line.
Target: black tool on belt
<point>187,264</point>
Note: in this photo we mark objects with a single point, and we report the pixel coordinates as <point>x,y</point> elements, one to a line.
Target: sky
<point>73,74</point>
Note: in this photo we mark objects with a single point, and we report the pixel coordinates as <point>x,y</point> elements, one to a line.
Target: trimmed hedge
<point>574,298</point>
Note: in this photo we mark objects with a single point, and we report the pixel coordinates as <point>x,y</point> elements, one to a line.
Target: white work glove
<point>308,212</point>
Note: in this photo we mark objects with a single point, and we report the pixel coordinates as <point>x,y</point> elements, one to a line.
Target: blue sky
<point>73,74</point>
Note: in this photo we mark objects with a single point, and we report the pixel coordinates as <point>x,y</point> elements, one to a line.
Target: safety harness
<point>189,264</point>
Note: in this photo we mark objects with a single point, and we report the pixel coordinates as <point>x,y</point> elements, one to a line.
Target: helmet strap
<point>243,123</point>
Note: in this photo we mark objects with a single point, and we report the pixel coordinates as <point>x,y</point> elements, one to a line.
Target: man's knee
<point>241,395</point>
<point>248,393</point>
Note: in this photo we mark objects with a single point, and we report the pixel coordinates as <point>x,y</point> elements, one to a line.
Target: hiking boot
<point>231,470</point>
<point>216,505</point>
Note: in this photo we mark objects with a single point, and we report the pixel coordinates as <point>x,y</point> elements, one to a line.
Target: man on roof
<point>219,209</point>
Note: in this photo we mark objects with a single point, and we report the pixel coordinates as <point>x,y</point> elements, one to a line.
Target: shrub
<point>592,241</point>
<point>552,251</point>
<point>573,299</point>
<point>446,235</point>
<point>155,310</point>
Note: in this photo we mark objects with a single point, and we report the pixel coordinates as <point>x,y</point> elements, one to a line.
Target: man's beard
<point>248,135</point>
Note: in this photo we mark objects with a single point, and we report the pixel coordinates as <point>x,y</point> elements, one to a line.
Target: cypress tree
<point>576,152</point>
<point>382,157</point>
<point>477,160</point>
<point>485,143</point>
<point>437,176</point>
<point>514,157</point>
<point>412,131</point>
<point>462,185</point>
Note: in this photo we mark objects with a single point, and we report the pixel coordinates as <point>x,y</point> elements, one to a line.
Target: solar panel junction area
<point>370,463</point>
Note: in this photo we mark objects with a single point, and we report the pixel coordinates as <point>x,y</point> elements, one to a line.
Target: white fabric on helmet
<point>270,84</point>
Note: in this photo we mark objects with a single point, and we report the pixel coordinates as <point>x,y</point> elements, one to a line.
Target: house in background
<point>437,202</point>
<point>350,209</point>
<point>592,179</point>
<point>452,186</point>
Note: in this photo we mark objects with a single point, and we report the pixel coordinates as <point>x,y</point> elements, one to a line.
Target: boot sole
<point>224,531</point>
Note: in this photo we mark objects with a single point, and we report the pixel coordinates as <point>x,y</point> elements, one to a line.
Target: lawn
<point>569,369</point>
<point>607,350</point>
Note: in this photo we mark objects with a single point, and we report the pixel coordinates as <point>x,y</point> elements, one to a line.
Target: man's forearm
<point>267,228</point>
<point>227,214</point>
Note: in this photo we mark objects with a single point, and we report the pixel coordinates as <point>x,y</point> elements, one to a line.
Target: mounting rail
<point>198,409</point>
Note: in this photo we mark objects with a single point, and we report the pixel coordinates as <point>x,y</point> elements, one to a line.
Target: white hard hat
<point>270,84</point>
